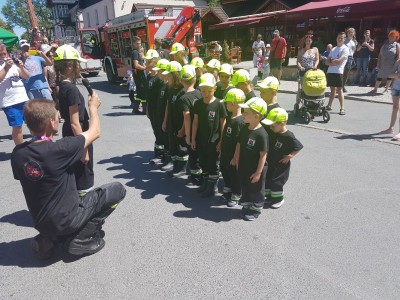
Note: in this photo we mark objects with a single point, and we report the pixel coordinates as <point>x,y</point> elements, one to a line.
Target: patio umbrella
<point>7,38</point>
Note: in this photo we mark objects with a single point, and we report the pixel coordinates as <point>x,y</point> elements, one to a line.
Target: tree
<point>213,3</point>
<point>6,26</point>
<point>16,14</point>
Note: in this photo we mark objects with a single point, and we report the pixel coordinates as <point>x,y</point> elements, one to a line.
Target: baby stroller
<point>312,97</point>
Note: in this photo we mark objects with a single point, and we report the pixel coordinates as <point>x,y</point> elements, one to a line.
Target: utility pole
<point>32,15</point>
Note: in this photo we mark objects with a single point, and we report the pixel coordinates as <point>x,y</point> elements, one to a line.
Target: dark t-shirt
<point>250,95</point>
<point>140,78</point>
<point>161,102</point>
<point>252,142</point>
<point>152,92</point>
<point>69,95</point>
<point>364,51</point>
<point>272,106</point>
<point>173,95</point>
<point>230,137</point>
<point>209,117</point>
<point>47,181</point>
<point>282,144</point>
<point>219,92</point>
<point>186,102</point>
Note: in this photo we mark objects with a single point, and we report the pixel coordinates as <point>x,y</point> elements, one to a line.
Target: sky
<point>18,30</point>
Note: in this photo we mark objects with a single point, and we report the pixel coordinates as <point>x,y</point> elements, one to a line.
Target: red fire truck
<point>113,42</point>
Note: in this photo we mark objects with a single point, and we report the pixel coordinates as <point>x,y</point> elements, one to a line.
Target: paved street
<point>336,237</point>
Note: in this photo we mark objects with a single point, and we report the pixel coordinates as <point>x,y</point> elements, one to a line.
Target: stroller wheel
<point>307,117</point>
<point>326,116</point>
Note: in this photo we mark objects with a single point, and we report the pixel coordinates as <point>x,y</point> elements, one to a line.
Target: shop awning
<point>237,23</point>
<point>344,8</point>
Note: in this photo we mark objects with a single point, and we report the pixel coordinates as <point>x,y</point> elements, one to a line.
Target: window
<point>88,19</point>
<point>106,13</point>
<point>63,11</point>
<point>96,15</point>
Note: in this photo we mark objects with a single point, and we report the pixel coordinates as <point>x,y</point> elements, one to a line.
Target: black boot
<point>43,246</point>
<point>169,165</point>
<point>204,185</point>
<point>212,188</point>
<point>87,241</point>
<point>196,179</point>
<point>179,169</point>
<point>157,156</point>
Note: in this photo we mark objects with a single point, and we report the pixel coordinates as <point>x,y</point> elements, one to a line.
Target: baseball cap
<point>188,72</point>
<point>23,43</point>
<point>240,76</point>
<point>268,46</point>
<point>226,68</point>
<point>173,66</point>
<point>67,52</point>
<point>151,54</point>
<point>161,64</point>
<point>257,104</point>
<point>197,62</point>
<point>128,72</point>
<point>276,31</point>
<point>277,115</point>
<point>234,95</point>
<point>214,63</point>
<point>270,82</point>
<point>176,48</point>
<point>207,79</point>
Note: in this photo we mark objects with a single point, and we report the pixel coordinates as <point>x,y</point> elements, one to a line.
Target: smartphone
<point>15,60</point>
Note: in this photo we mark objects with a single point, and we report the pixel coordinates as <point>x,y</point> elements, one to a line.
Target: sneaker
<point>278,204</point>
<point>232,203</point>
<point>397,137</point>
<point>168,167</point>
<point>251,216</point>
<point>155,161</point>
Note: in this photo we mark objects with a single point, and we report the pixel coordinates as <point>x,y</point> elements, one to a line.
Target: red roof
<point>344,8</point>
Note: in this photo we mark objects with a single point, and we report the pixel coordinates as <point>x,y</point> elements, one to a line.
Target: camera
<point>15,60</point>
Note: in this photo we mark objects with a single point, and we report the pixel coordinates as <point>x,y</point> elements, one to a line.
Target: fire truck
<point>113,42</point>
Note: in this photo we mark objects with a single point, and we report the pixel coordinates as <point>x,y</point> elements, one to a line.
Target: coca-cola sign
<point>343,10</point>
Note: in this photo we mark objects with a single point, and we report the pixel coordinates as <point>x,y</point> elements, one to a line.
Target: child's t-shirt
<point>153,87</point>
<point>219,92</point>
<point>282,144</point>
<point>230,137</point>
<point>250,95</point>
<point>185,103</point>
<point>252,142</point>
<point>209,116</point>
<point>173,95</point>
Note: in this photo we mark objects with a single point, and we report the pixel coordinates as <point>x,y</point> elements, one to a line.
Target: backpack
<point>314,82</point>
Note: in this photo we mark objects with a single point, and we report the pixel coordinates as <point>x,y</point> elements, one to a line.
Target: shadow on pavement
<point>154,182</point>
<point>20,254</point>
<point>362,137</point>
<point>20,218</point>
<point>8,137</point>
<point>4,156</point>
<point>105,86</point>
<point>118,114</point>
<point>121,107</point>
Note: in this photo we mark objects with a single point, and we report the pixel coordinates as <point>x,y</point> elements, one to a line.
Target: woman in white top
<point>351,43</point>
<point>307,58</point>
<point>12,92</point>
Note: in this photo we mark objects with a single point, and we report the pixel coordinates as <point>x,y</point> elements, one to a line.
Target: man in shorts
<point>277,54</point>
<point>336,62</point>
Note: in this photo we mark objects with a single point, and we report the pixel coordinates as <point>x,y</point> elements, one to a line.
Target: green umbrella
<point>7,38</point>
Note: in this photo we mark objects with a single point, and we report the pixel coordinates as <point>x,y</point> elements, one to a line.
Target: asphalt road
<point>336,237</point>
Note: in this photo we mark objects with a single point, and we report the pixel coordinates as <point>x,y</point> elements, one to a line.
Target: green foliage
<point>6,26</point>
<point>213,3</point>
<point>16,14</point>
